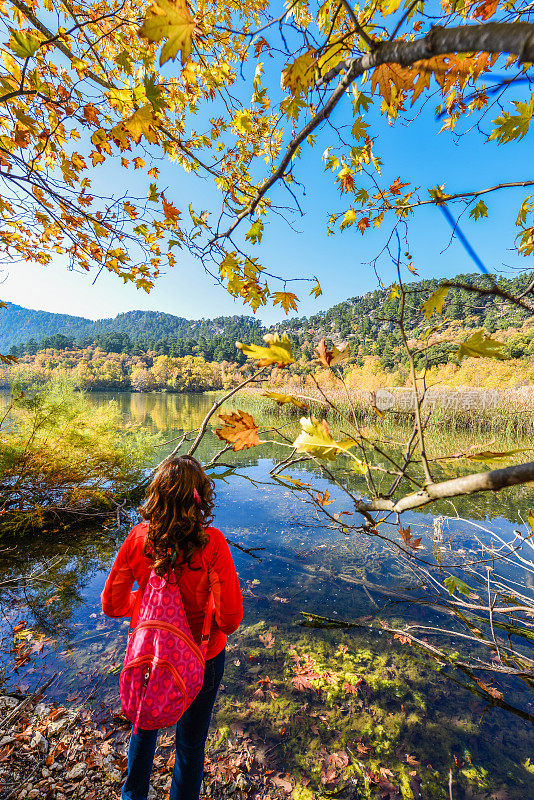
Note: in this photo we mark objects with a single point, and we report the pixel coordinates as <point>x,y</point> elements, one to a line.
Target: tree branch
<point>491,37</point>
<point>467,484</point>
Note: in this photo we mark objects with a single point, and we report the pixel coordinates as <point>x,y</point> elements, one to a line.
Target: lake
<point>381,703</point>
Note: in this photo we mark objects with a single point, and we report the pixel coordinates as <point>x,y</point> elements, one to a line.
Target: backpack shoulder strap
<point>206,628</point>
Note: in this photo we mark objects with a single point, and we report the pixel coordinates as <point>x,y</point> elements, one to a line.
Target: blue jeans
<point>191,734</point>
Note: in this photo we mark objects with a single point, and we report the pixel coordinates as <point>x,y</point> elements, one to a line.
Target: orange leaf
<point>363,223</point>
<point>97,158</point>
<point>170,211</point>
<point>324,499</point>
<point>407,537</point>
<point>239,429</point>
<point>286,299</point>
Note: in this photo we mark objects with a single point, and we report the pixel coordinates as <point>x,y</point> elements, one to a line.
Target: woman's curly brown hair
<point>179,508</point>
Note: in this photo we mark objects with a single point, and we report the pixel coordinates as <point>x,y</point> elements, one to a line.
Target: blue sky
<point>415,152</point>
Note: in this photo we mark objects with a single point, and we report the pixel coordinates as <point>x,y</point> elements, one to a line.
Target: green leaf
<point>23,44</point>
<point>154,93</point>
<point>480,210</point>
<point>255,232</point>
<point>360,128</point>
<point>513,126</point>
<point>153,193</point>
<point>435,302</point>
<point>454,584</point>
<point>481,346</point>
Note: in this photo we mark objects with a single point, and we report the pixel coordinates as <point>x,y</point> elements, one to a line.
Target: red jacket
<point>213,568</point>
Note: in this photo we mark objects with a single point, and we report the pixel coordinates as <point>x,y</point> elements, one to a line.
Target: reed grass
<point>511,416</point>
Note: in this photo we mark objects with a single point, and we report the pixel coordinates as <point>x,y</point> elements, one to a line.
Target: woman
<point>176,535</point>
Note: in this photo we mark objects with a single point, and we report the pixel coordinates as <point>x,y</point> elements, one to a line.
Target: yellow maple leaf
<point>282,399</point>
<point>170,20</point>
<point>141,123</point>
<point>333,357</point>
<point>278,350</point>
<point>317,291</point>
<point>316,440</point>
<point>435,302</point>
<point>386,77</point>
<point>286,299</point>
<point>394,291</point>
<point>481,346</point>
<point>243,121</point>
<point>299,76</point>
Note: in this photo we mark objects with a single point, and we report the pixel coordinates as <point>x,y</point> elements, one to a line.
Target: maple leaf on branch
<point>407,537</point>
<point>480,345</point>
<point>170,20</point>
<point>278,350</point>
<point>239,429</point>
<point>316,440</point>
<point>333,357</point>
<point>282,399</point>
<point>287,300</point>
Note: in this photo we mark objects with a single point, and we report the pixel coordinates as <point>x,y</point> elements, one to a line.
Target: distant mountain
<point>366,321</point>
<point>18,325</point>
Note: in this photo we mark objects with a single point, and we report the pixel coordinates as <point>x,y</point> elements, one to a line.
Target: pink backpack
<point>164,667</point>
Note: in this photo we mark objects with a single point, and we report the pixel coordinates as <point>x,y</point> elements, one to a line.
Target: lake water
<point>405,710</point>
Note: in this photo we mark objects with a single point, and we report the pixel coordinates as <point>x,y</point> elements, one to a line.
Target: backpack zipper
<point>172,629</point>
<point>145,684</point>
<point>156,662</point>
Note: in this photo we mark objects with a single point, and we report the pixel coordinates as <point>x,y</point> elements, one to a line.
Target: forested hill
<point>20,325</point>
<point>366,321</point>
<point>368,315</point>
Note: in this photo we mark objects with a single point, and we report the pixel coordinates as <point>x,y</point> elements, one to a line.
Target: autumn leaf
<point>454,584</point>
<point>294,481</point>
<point>299,76</point>
<point>316,440</point>
<point>287,300</point>
<point>407,537</point>
<point>170,20</point>
<point>323,498</point>
<point>255,232</point>
<point>316,291</point>
<point>349,219</point>
<point>333,357</point>
<point>389,77</point>
<point>171,212</point>
<point>486,9</point>
<point>239,429</point>
<point>278,350</point>
<point>267,640</point>
<point>243,121</point>
<point>435,302</point>
<point>480,210</point>
<point>394,292</point>
<point>489,689</point>
<point>143,122</point>
<point>23,44</point>
<point>490,455</point>
<point>282,399</point>
<point>363,223</point>
<point>481,346</point>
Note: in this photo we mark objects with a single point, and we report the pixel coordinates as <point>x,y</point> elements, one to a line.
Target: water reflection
<point>304,566</point>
